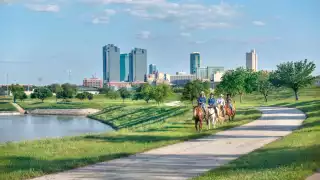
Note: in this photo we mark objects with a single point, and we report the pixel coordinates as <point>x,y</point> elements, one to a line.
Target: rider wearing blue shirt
<point>212,102</point>
<point>202,101</point>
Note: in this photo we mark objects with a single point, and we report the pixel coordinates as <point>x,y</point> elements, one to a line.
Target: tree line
<point>241,81</point>
<point>144,92</point>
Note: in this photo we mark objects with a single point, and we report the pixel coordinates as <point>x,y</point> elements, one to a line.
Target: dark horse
<point>198,116</point>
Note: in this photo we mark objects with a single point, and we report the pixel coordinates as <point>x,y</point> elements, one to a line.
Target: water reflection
<point>18,128</point>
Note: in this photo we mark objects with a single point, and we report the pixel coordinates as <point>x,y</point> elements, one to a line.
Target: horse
<point>198,116</point>
<point>212,117</point>
<point>230,113</point>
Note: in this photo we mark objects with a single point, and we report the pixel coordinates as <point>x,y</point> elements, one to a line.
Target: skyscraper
<point>137,64</point>
<point>252,60</point>
<point>152,68</point>
<point>124,67</point>
<point>195,62</point>
<point>111,63</point>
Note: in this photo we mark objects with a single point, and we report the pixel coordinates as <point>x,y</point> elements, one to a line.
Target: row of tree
<point>294,75</point>
<point>144,92</point>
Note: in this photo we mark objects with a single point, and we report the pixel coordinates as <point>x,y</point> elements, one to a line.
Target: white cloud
<point>43,7</point>
<point>110,12</point>
<point>104,18</point>
<point>143,35</point>
<point>100,20</point>
<point>258,23</point>
<point>186,14</point>
<point>185,34</point>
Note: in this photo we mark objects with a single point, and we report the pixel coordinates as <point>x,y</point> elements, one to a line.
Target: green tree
<point>16,90</point>
<point>81,96</point>
<point>124,93</point>
<point>147,92</point>
<point>238,81</point>
<point>192,90</point>
<point>161,92</point>
<point>68,91</point>
<point>113,95</point>
<point>105,90</point>
<point>55,88</point>
<point>294,75</point>
<point>264,85</point>
<point>22,96</point>
<point>89,96</point>
<point>42,93</point>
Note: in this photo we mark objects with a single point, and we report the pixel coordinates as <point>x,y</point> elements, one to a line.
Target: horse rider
<point>212,103</point>
<point>202,101</point>
<point>221,102</point>
<point>229,102</point>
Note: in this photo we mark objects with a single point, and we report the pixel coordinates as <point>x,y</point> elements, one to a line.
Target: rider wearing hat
<point>212,102</point>
<point>221,102</point>
<point>202,101</point>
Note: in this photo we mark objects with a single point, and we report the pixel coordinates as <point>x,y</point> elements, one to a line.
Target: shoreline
<point>69,112</point>
<point>9,113</point>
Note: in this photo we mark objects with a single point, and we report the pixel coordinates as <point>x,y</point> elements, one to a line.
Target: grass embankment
<point>141,129</point>
<point>295,156</point>
<point>6,106</point>
<point>98,102</point>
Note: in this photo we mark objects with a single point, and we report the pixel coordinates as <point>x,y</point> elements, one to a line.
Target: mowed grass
<point>99,102</point>
<point>141,131</point>
<point>295,156</point>
<point>121,117</point>
<point>6,106</point>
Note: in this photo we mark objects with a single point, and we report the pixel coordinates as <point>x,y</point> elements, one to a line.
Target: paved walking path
<point>19,108</point>
<point>189,159</point>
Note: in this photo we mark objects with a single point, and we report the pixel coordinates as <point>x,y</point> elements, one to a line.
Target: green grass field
<point>295,156</point>
<point>99,102</point>
<point>6,106</point>
<point>138,132</point>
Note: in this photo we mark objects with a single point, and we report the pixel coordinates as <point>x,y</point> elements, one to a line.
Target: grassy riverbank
<point>295,156</point>
<point>35,158</point>
<point>98,102</point>
<point>7,106</point>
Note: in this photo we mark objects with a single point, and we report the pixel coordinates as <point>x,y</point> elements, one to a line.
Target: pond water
<point>30,127</point>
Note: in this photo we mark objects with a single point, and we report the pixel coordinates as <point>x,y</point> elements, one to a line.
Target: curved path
<point>189,159</point>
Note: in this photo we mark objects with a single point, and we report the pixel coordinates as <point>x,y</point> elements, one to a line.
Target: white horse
<point>212,117</point>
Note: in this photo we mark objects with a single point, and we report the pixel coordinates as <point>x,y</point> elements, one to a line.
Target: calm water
<point>18,128</point>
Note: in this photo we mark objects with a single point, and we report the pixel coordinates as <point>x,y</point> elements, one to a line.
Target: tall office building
<point>195,62</point>
<point>152,68</point>
<point>252,60</point>
<point>137,65</point>
<point>124,67</point>
<point>111,63</point>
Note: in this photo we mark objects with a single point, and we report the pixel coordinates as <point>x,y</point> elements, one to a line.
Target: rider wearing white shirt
<point>221,101</point>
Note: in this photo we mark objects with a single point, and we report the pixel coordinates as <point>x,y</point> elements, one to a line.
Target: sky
<point>42,40</point>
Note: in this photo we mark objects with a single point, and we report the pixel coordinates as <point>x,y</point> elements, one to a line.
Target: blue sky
<point>46,38</point>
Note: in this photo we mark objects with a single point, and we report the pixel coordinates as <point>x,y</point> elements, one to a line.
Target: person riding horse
<point>229,102</point>
<point>212,103</point>
<point>202,102</point>
<point>221,103</point>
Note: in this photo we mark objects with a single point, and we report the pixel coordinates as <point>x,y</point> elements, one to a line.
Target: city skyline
<point>60,41</point>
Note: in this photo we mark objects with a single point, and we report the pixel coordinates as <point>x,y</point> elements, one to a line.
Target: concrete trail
<point>19,108</point>
<point>192,158</point>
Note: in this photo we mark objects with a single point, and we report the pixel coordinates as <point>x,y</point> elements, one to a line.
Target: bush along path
<point>189,159</point>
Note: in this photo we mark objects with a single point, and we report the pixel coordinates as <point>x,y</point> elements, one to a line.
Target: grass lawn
<point>98,102</point>
<point>142,129</point>
<point>6,106</point>
<point>295,156</point>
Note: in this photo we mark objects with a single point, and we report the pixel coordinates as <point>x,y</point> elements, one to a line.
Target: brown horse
<point>231,113</point>
<point>198,116</point>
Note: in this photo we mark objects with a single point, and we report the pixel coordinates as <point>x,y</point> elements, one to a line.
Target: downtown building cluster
<point>127,67</point>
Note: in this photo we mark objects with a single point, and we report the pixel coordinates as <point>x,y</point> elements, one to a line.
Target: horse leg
<point>200,125</point>
<point>196,124</point>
